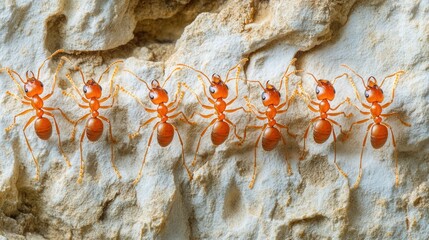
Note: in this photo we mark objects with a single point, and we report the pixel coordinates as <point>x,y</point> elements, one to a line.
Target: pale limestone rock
<point>374,37</point>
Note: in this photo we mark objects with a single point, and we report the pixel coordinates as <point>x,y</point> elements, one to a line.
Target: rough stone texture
<point>374,37</point>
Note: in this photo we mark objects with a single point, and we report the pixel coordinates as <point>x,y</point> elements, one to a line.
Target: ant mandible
<point>270,134</point>
<point>165,131</point>
<point>322,124</point>
<point>91,96</point>
<point>218,93</point>
<point>33,88</point>
<point>379,132</point>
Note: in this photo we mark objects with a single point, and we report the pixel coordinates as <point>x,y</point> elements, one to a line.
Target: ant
<point>322,124</point>
<point>270,134</point>
<point>379,132</point>
<point>33,88</point>
<point>91,97</point>
<point>165,131</point>
<point>218,93</point>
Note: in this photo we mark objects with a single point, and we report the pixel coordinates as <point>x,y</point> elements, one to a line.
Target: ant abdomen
<point>322,130</point>
<point>270,138</point>
<point>220,132</point>
<point>379,135</point>
<point>165,134</point>
<point>94,129</point>
<point>43,128</point>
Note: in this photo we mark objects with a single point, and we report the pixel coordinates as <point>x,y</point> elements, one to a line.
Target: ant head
<point>92,89</point>
<point>270,95</point>
<point>373,92</point>
<point>33,86</point>
<point>325,90</point>
<point>158,94</point>
<point>218,88</point>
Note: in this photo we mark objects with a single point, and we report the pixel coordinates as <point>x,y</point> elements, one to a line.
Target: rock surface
<point>374,37</point>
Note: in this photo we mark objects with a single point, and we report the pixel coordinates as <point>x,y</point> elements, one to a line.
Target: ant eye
<point>212,89</point>
<point>151,96</point>
<point>41,84</point>
<point>25,89</point>
<point>85,90</point>
<point>381,90</point>
<point>317,90</point>
<point>264,96</point>
<point>101,89</point>
<point>334,91</point>
<point>165,91</point>
<point>366,94</point>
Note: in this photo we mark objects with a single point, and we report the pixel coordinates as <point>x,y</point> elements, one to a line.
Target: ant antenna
<point>198,71</point>
<point>169,76</point>
<point>108,68</point>
<point>135,75</point>
<point>349,68</point>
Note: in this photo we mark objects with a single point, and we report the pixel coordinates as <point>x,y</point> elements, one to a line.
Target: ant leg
<point>356,184</point>
<point>289,168</point>
<point>60,65</point>
<point>395,114</point>
<point>74,99</point>
<point>340,113</point>
<point>81,169</point>
<point>59,138</point>
<point>198,98</point>
<point>288,102</point>
<point>202,115</point>
<point>339,125</point>
<point>358,122</point>
<point>112,158</point>
<point>183,154</point>
<point>199,141</point>
<point>14,119</point>
<point>347,100</point>
<point>178,96</point>
<point>396,155</point>
<point>145,154</point>
<point>184,117</point>
<point>245,131</point>
<point>132,136</point>
<point>75,125</point>
<point>29,147</point>
<point>395,83</point>
<point>62,113</point>
<point>9,72</point>
<point>252,182</point>
<point>305,136</point>
<point>236,109</point>
<point>23,101</point>
<point>235,129</point>
<point>287,129</point>
<point>335,155</point>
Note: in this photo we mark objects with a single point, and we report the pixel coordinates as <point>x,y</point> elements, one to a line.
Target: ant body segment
<point>269,133</point>
<point>322,124</point>
<point>379,129</point>
<point>218,93</point>
<point>30,93</point>
<point>92,92</point>
<point>165,130</point>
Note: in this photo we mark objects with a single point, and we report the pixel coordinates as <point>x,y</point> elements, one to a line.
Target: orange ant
<point>33,88</point>
<point>219,92</point>
<point>91,96</point>
<point>165,131</point>
<point>379,132</point>
<point>270,134</point>
<point>322,124</point>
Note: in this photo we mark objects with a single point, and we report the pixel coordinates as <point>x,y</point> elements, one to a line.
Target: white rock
<point>374,37</point>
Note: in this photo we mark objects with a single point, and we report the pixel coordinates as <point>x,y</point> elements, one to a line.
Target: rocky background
<point>374,37</point>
